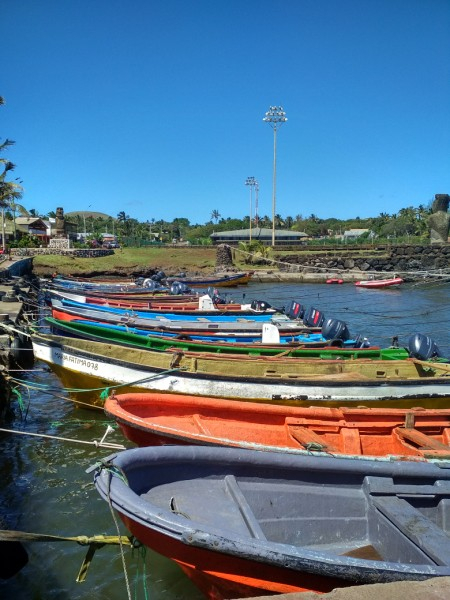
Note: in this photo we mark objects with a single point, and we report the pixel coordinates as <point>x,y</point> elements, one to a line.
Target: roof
<point>29,221</point>
<point>355,232</point>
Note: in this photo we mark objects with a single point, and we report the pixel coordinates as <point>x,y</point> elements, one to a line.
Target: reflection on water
<point>45,488</point>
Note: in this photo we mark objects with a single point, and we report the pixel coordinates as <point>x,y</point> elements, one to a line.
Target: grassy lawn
<point>129,261</point>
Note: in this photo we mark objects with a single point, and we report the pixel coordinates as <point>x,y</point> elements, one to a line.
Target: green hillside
<point>88,213</point>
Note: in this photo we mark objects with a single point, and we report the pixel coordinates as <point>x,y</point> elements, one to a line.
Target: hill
<point>88,213</point>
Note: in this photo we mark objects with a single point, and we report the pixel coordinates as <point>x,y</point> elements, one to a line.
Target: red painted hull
<point>220,576</point>
<point>379,283</point>
<point>155,419</point>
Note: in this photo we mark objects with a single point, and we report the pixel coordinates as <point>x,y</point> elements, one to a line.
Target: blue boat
<point>216,315</point>
<point>246,523</point>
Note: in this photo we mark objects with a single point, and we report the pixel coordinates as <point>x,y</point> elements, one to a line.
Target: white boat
<point>380,283</point>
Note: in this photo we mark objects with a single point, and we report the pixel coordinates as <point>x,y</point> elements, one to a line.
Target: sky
<point>155,107</point>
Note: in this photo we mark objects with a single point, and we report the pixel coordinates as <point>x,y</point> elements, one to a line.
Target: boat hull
<point>379,283</point>
<point>358,433</point>
<point>227,281</point>
<point>242,522</point>
<point>288,381</point>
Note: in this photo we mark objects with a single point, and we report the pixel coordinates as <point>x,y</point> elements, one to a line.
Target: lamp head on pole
<point>275,116</point>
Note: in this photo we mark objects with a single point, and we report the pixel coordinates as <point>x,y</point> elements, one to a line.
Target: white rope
<point>97,444</point>
<point>439,273</point>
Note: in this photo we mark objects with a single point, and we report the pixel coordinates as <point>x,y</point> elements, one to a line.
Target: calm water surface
<point>45,488</point>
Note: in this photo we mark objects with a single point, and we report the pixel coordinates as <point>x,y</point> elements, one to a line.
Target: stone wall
<point>399,259</point>
<point>78,252</point>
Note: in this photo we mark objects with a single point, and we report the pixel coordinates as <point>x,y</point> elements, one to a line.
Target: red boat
<point>152,419</point>
<point>380,283</point>
<point>335,280</point>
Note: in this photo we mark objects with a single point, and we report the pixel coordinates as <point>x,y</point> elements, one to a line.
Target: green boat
<point>99,333</point>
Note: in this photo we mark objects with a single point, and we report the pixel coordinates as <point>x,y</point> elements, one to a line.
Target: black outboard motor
<point>361,342</point>
<point>178,288</point>
<point>294,310</point>
<point>313,317</point>
<point>213,293</point>
<point>259,305</point>
<point>334,329</point>
<point>423,347</point>
<point>159,276</point>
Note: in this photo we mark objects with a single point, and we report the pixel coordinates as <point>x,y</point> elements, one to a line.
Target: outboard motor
<point>178,288</point>
<point>294,310</point>
<point>334,329</point>
<point>423,347</point>
<point>361,342</point>
<point>213,293</point>
<point>313,317</point>
<point>259,305</point>
<point>151,284</point>
<point>159,276</point>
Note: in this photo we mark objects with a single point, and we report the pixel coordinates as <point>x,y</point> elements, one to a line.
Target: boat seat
<point>247,514</point>
<point>309,439</point>
<point>412,524</point>
<point>426,445</point>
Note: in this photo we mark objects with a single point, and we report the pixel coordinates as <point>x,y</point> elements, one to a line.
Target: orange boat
<point>150,419</point>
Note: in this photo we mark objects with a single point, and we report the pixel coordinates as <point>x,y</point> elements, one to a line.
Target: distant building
<point>352,234</point>
<point>32,226</point>
<point>283,237</point>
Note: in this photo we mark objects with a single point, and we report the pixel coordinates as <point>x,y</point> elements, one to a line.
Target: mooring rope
<point>94,542</point>
<point>97,444</point>
<point>444,274</point>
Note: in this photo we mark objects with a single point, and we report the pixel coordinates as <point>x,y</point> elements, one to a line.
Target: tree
<point>215,215</point>
<point>10,191</point>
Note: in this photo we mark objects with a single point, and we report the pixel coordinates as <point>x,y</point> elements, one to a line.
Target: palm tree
<point>215,215</point>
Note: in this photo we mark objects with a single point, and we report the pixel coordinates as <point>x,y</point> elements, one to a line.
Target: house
<point>283,237</point>
<point>353,234</point>
<point>32,226</point>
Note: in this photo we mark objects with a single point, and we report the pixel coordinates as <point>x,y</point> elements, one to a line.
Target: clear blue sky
<point>155,107</point>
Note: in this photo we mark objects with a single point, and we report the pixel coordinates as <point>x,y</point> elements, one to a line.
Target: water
<point>45,488</point>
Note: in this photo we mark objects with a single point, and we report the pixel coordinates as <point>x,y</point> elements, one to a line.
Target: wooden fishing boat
<point>71,279</point>
<point>380,283</point>
<point>205,282</point>
<point>244,523</point>
<point>268,336</point>
<point>124,292</point>
<point>205,307</point>
<point>200,324</point>
<point>154,419</point>
<point>128,303</point>
<point>189,303</point>
<point>281,379</point>
<point>145,341</point>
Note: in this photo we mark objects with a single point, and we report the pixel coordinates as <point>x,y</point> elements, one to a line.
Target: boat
<point>380,283</point>
<point>315,347</point>
<point>280,379</point>
<point>205,282</point>
<point>335,280</point>
<point>154,419</point>
<point>242,523</point>
<point>126,302</point>
<point>199,324</point>
<point>205,307</point>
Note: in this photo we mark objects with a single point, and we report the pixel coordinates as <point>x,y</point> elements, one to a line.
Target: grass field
<point>132,261</point>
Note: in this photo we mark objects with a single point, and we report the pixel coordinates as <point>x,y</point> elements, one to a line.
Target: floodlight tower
<point>275,116</point>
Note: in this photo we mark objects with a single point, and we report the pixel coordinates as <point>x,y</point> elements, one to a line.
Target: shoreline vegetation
<point>135,262</point>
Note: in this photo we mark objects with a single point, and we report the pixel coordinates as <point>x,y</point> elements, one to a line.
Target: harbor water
<point>45,489</point>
